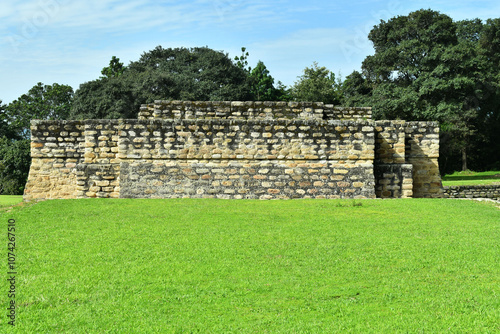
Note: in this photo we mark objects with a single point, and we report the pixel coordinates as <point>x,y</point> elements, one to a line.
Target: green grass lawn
<point>471,178</point>
<point>236,266</point>
<point>9,200</point>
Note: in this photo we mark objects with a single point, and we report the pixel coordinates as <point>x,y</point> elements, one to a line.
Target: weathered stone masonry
<point>491,191</point>
<point>261,150</point>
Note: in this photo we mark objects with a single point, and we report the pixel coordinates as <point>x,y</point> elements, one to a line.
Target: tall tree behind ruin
<point>427,67</point>
<point>178,74</point>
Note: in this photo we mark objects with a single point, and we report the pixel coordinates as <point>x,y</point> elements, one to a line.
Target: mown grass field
<point>222,266</point>
<point>471,178</point>
<point>9,200</point>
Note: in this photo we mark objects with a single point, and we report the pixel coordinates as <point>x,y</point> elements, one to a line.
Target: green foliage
<point>217,266</point>
<point>471,178</point>
<point>242,61</point>
<point>41,102</point>
<point>283,93</point>
<point>112,97</point>
<point>317,84</point>
<point>177,74</point>
<point>6,130</point>
<point>427,67</point>
<point>115,68</point>
<point>15,163</point>
<point>260,81</point>
<point>9,200</point>
<point>356,91</point>
<point>262,84</point>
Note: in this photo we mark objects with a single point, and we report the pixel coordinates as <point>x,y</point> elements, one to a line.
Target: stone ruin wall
<point>241,150</point>
<point>490,191</point>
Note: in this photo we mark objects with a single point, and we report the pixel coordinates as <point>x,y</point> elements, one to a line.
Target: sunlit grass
<point>222,266</point>
<point>9,200</point>
<point>471,178</point>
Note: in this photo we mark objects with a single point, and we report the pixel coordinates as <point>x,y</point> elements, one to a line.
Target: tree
<point>427,67</point>
<point>177,74</point>
<point>262,84</point>
<point>488,93</point>
<point>242,61</point>
<point>41,102</point>
<point>6,129</point>
<point>260,81</point>
<point>407,50</point>
<point>106,98</point>
<point>283,93</point>
<point>356,90</point>
<point>317,84</point>
<point>15,163</point>
<point>115,68</point>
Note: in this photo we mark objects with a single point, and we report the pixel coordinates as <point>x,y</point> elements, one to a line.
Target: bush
<point>15,163</point>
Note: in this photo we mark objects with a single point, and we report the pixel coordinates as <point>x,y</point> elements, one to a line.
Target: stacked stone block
<point>248,159</point>
<point>263,110</point>
<point>422,152</point>
<point>56,150</point>
<point>491,191</point>
<point>394,177</point>
<point>251,140</point>
<point>98,180</point>
<point>244,179</point>
<point>101,141</point>
<point>265,150</point>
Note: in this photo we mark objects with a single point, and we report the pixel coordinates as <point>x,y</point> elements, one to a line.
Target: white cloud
<point>69,42</point>
<point>338,49</point>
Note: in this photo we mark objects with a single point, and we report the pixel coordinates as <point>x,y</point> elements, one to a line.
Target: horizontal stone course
<point>265,150</point>
<point>265,110</point>
<point>245,179</point>
<point>491,191</point>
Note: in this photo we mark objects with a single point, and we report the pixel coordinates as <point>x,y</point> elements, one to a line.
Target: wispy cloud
<point>286,57</point>
<point>69,41</point>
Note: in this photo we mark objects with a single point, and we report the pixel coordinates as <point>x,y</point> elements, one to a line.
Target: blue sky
<point>70,41</point>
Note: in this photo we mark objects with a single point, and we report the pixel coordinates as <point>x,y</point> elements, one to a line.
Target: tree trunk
<point>464,159</point>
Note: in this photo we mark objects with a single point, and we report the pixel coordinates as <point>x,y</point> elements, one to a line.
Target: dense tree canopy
<point>41,102</point>
<point>262,83</point>
<point>428,67</point>
<point>317,84</point>
<point>178,74</point>
<point>15,163</point>
<point>6,130</point>
<point>115,68</point>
